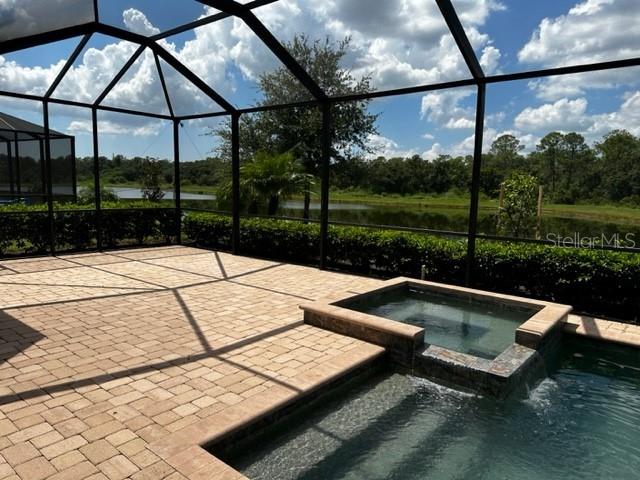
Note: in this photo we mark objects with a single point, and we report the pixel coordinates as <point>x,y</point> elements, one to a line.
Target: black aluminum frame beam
<point>271,42</point>
<point>169,59</point>
<point>176,181</point>
<point>96,176</point>
<point>206,20</point>
<point>324,186</point>
<point>460,37</point>
<point>167,98</point>
<point>148,42</point>
<point>73,103</point>
<point>569,70</point>
<point>118,76</point>
<point>475,184</point>
<point>70,61</point>
<point>49,177</point>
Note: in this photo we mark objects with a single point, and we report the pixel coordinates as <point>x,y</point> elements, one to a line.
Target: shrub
<point>26,228</point>
<point>596,281</point>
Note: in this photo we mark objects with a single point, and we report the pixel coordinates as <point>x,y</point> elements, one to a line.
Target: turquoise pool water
<point>481,328</point>
<point>579,423</point>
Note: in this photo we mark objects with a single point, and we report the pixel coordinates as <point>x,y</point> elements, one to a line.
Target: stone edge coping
<point>184,450</point>
<point>544,321</point>
<point>503,366</point>
<point>604,330</point>
<point>548,316</point>
<point>365,320</point>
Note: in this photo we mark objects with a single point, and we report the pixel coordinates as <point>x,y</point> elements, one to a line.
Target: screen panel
<point>32,17</point>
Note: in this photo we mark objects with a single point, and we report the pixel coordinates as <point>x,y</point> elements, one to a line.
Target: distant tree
<point>551,149</point>
<point>298,130</point>
<point>619,154</point>
<point>506,151</point>
<point>502,159</point>
<point>150,179</point>
<point>575,165</point>
<point>517,216</point>
<point>266,180</point>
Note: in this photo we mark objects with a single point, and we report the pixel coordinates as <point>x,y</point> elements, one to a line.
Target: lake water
<point>454,219</point>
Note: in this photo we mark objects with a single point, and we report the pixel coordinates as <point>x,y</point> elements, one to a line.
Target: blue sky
<point>397,44</point>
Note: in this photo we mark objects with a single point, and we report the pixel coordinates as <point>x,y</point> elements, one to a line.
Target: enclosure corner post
<point>176,180</point>
<point>49,173</point>
<point>12,189</point>
<point>96,178</point>
<point>475,184</point>
<point>74,172</point>
<point>324,185</point>
<point>235,182</point>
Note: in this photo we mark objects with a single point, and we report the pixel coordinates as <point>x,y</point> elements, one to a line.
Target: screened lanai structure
<point>466,66</point>
<point>22,171</point>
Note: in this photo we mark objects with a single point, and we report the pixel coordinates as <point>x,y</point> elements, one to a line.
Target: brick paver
<point>106,359</point>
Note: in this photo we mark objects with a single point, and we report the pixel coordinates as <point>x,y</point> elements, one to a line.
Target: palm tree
<point>268,179</point>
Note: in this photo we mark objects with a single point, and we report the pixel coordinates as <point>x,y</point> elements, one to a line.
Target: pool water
<point>481,328</point>
<point>579,423</point>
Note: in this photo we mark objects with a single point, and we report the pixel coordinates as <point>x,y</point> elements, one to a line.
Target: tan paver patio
<point>117,365</point>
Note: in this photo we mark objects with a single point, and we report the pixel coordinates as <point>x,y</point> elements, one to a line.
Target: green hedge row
<point>26,228</point>
<point>595,281</point>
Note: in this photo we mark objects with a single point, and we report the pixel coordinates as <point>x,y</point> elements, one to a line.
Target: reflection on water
<point>453,219</point>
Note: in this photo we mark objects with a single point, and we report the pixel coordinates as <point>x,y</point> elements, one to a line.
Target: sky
<point>398,43</point>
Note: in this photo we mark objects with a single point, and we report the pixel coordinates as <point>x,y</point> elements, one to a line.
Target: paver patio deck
<point>116,365</point>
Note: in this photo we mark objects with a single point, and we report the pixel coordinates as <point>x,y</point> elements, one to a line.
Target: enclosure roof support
<point>207,20</point>
<point>460,36</point>
<point>118,76</point>
<point>73,103</point>
<point>241,11</point>
<point>550,72</point>
<point>170,59</point>
<point>167,98</point>
<point>70,61</point>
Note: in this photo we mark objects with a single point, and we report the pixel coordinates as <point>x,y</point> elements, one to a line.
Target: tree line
<point>570,170</point>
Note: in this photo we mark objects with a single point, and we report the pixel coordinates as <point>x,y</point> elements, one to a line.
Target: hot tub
<point>473,338</point>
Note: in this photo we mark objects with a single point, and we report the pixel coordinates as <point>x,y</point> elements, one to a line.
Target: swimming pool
<point>579,423</point>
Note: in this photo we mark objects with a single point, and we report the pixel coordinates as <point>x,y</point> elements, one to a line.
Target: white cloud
<point>434,152</point>
<point>490,59</point>
<point>591,31</point>
<point>443,108</point>
<point>461,123</point>
<point>110,127</point>
<point>137,22</point>
<point>627,117</point>
<point>594,30</point>
<point>386,147</point>
<point>396,43</point>
<point>31,80</point>
<point>572,115</point>
<point>563,115</point>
